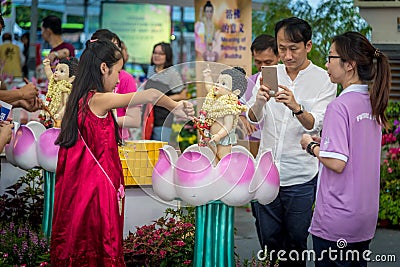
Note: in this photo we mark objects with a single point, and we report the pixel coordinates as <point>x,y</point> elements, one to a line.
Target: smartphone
<point>270,78</point>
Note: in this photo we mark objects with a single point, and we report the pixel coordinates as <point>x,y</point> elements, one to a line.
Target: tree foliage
<point>23,16</point>
<point>330,18</point>
<point>272,11</point>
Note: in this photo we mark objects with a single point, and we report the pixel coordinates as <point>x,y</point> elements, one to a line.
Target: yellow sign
<point>223,32</point>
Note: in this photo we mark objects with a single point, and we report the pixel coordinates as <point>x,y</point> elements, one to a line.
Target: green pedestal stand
<point>214,237</point>
<point>49,182</point>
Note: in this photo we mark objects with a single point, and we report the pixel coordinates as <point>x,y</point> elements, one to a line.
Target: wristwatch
<point>300,111</point>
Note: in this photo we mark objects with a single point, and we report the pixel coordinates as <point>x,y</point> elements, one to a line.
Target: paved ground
<point>385,243</point>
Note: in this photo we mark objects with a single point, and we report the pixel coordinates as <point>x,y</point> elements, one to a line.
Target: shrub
<point>23,201</point>
<point>389,202</point>
<point>21,240</point>
<point>169,241</point>
<point>22,245</point>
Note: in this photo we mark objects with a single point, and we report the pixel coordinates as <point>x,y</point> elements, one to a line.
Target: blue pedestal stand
<point>214,237</point>
<point>49,182</point>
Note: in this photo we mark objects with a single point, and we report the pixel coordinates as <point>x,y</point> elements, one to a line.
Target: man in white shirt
<point>298,107</point>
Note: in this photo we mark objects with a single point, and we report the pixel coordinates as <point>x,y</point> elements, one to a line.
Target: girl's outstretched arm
<point>101,103</point>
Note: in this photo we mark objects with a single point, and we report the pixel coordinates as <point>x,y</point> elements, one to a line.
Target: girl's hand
<point>316,138</point>
<point>184,109</point>
<point>305,140</point>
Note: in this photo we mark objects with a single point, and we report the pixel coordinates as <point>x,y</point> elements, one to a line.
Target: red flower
<point>163,253</point>
<point>180,243</point>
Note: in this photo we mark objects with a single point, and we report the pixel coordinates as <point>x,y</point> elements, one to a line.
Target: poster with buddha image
<point>223,34</point>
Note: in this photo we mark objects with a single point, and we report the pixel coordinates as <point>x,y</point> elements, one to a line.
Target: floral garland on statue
<point>54,94</point>
<point>218,107</point>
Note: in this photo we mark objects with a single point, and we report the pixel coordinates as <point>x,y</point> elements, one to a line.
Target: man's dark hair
<point>53,23</point>
<point>263,42</point>
<point>296,30</point>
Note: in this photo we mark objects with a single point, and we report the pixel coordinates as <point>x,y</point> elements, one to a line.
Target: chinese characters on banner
<point>223,32</point>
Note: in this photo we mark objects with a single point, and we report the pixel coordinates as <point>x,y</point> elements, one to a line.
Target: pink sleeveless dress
<point>87,224</point>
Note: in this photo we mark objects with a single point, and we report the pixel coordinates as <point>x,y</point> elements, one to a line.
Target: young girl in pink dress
<point>88,218</point>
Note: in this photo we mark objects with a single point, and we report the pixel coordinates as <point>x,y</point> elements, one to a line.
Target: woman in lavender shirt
<point>347,202</point>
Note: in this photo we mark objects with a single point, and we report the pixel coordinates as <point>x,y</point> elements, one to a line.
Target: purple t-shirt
<point>347,203</point>
<point>251,82</point>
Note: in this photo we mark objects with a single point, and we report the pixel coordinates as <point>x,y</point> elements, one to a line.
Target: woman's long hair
<point>372,67</point>
<point>88,78</point>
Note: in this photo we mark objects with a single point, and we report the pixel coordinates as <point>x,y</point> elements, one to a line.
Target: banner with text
<point>223,32</point>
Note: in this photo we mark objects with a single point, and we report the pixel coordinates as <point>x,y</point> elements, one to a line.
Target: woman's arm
<point>132,118</point>
<point>334,164</point>
<point>101,103</point>
<point>179,96</point>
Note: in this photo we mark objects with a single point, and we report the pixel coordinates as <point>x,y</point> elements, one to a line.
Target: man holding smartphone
<point>298,107</point>
<point>265,53</point>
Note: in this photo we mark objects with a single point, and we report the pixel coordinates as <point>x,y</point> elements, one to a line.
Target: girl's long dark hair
<point>88,78</point>
<point>372,66</point>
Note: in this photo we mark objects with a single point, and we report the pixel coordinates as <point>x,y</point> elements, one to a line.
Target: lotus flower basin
<point>32,146</point>
<point>236,180</point>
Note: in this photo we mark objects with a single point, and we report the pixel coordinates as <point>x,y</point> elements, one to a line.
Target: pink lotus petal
<point>25,155</point>
<point>163,175</point>
<point>236,171</point>
<point>47,151</point>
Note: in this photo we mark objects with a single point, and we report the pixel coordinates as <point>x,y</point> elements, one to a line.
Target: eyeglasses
<point>329,58</point>
<point>159,53</point>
